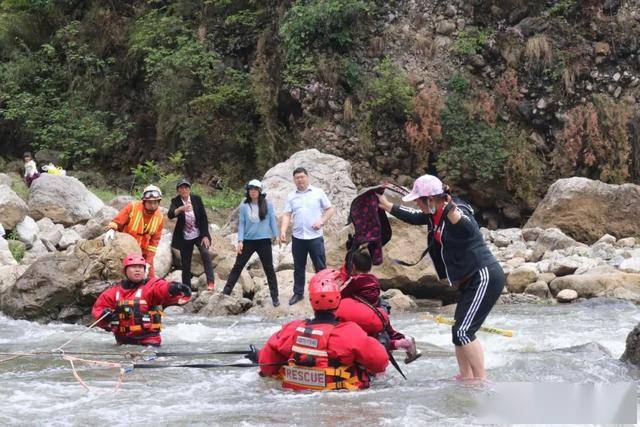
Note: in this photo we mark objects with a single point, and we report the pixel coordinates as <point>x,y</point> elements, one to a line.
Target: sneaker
<point>211,286</point>
<point>412,352</point>
<point>295,299</point>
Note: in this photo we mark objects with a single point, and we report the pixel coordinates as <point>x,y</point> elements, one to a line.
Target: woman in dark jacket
<point>460,255</point>
<point>192,229</point>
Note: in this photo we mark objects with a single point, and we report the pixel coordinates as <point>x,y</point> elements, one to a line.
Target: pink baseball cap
<point>425,186</point>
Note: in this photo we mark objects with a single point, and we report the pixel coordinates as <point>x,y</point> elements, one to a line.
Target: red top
<point>365,286</point>
<point>155,292</point>
<point>347,343</point>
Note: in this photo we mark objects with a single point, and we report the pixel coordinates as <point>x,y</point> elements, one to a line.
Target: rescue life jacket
<point>310,368</point>
<point>140,229</point>
<point>135,315</point>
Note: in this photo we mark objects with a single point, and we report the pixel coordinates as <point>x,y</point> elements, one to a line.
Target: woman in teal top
<point>257,225</point>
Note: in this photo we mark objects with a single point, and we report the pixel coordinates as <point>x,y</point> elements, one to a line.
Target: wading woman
<point>460,255</point>
<point>256,227</point>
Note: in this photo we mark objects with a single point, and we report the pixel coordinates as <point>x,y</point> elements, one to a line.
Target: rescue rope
<point>59,349</point>
<point>203,365</point>
<point>443,320</point>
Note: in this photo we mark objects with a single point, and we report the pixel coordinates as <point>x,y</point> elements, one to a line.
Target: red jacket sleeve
<point>158,293</point>
<point>350,344</point>
<point>278,348</point>
<point>105,300</point>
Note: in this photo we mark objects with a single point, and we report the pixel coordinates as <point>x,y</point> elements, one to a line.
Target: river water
<point>37,391</point>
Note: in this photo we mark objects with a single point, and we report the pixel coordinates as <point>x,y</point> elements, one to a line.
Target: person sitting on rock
<point>143,221</point>
<point>322,353</point>
<point>132,309</point>
<point>30,168</point>
<point>361,303</point>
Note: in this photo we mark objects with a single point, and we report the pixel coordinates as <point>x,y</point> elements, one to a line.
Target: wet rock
<point>63,199</point>
<point>567,295</point>
<point>12,208</point>
<point>582,208</point>
<point>518,299</point>
<point>632,349</point>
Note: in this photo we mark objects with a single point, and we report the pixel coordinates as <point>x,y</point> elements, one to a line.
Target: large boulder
<point>6,257</point>
<point>222,255</point>
<point>5,180</point>
<point>98,223</point>
<point>587,209</point>
<point>9,274</point>
<point>63,199</point>
<point>328,172</point>
<point>552,239</point>
<point>521,277</point>
<point>28,231</point>
<point>614,285</point>
<point>632,350</point>
<point>163,261</point>
<point>262,299</point>
<point>12,208</point>
<point>100,262</point>
<point>44,289</point>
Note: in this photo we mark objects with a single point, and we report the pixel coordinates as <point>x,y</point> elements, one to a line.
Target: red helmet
<point>324,290</point>
<point>133,259</point>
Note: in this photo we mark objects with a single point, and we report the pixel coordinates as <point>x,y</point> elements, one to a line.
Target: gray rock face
<point>5,180</point>
<point>6,258</point>
<point>63,199</point>
<point>12,208</point>
<point>632,350</point>
<point>97,225</point>
<point>582,208</point>
<point>550,240</point>
<point>615,285</point>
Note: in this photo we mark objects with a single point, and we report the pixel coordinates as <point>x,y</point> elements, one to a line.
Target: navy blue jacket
<point>463,250</point>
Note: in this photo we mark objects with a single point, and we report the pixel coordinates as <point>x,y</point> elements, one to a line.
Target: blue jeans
<point>300,248</point>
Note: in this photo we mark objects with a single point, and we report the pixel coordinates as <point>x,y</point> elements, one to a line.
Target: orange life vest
<point>140,229</point>
<point>135,315</point>
<point>310,367</point>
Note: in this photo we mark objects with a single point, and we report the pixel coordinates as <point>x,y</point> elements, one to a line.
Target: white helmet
<point>255,184</point>
<point>151,192</point>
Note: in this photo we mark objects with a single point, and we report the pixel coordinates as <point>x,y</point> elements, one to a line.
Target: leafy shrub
<point>471,39</point>
<point>459,83</point>
<point>390,93</point>
<point>473,149</point>
<point>319,24</point>
<point>424,128</point>
<point>595,142</point>
<point>17,249</point>
<point>523,169</point>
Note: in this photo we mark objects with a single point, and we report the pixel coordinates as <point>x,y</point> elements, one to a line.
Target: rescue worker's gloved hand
<point>253,354</point>
<point>109,236</point>
<point>176,288</point>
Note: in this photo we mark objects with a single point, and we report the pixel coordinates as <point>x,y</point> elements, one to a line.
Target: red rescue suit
<point>137,311</point>
<point>323,355</point>
<point>351,310</point>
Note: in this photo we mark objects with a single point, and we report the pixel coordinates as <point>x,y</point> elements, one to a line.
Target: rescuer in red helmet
<point>132,309</point>
<point>322,353</point>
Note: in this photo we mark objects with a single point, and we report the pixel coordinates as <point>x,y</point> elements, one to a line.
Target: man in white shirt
<point>310,209</point>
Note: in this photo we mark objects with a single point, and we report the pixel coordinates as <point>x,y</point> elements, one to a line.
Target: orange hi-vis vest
<point>310,367</point>
<point>135,315</point>
<point>140,225</point>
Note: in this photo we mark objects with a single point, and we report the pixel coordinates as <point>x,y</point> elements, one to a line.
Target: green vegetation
<point>561,7</point>
<point>471,39</point>
<point>324,25</point>
<point>390,94</point>
<point>16,248</point>
<point>458,83</point>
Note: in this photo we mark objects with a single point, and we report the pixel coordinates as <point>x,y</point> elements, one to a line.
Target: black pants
<point>263,247</point>
<point>300,248</point>
<point>476,299</point>
<point>186,252</point>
